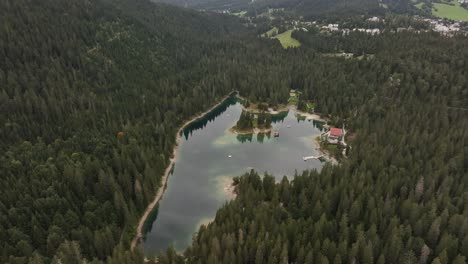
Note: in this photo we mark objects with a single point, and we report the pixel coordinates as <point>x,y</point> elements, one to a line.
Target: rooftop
<point>336,132</point>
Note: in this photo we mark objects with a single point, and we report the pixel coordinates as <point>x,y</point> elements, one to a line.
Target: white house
<point>333,27</point>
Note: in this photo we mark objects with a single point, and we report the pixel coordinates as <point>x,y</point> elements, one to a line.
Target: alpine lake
<point>208,158</point>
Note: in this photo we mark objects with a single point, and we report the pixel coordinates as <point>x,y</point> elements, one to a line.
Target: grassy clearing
<point>310,106</point>
<point>455,11</point>
<point>419,6</point>
<point>270,32</point>
<point>292,100</point>
<point>293,97</point>
<point>286,40</point>
<point>332,148</point>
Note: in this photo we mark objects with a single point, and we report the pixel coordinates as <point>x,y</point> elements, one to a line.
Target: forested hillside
<point>93,92</point>
<point>306,8</point>
<point>400,197</point>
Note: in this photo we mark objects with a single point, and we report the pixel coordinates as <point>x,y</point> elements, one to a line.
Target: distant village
<point>442,26</point>
<point>447,28</point>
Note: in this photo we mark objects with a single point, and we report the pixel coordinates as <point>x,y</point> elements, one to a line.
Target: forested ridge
<point>310,9</point>
<point>93,92</point>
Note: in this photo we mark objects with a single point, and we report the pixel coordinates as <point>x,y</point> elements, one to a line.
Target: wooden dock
<point>312,157</point>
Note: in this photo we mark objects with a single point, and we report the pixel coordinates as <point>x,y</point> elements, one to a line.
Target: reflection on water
<point>149,221</point>
<point>209,156</point>
<point>200,123</point>
<point>261,136</point>
<point>244,138</point>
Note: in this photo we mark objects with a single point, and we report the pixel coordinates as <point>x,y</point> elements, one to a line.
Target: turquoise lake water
<point>203,170</point>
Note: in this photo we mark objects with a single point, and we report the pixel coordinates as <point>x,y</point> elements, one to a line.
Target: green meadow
<point>270,32</point>
<point>286,40</point>
<point>455,11</point>
<point>451,10</point>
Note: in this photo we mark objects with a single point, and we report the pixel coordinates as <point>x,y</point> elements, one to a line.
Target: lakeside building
<point>336,134</point>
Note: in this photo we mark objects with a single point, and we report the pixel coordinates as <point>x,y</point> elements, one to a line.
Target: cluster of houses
<point>442,26</point>
<point>334,27</point>
<point>346,31</point>
<point>302,25</point>
<point>331,27</point>
<point>445,27</point>
<point>375,19</point>
<point>371,31</point>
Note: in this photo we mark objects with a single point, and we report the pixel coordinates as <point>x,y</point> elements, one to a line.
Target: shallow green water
<point>203,170</point>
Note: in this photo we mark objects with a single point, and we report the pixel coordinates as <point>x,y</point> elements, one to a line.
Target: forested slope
<point>91,96</point>
<point>400,197</point>
<point>308,8</point>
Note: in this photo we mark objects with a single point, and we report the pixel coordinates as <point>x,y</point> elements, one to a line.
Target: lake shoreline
<point>226,188</point>
<point>311,116</point>
<point>139,231</point>
<point>328,156</point>
<point>284,108</point>
<point>281,108</point>
<point>253,131</point>
<point>314,116</point>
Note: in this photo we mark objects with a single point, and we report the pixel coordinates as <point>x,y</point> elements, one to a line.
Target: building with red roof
<point>335,135</point>
<point>336,132</point>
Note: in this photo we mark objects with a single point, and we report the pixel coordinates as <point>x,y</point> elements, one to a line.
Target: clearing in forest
<point>286,40</point>
<point>451,11</point>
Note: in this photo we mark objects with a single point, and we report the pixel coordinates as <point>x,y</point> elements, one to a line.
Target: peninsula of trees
<point>253,122</point>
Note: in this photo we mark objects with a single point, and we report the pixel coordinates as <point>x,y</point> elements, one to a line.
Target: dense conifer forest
<point>93,92</point>
<point>400,196</point>
<point>306,8</point>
